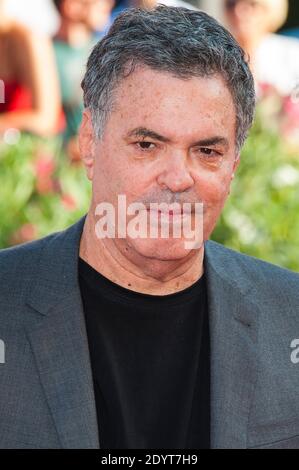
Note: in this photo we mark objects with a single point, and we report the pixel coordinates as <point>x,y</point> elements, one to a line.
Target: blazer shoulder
<point>18,263</point>
<point>258,272</point>
<point>22,264</point>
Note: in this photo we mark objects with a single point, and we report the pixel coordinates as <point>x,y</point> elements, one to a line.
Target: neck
<point>73,34</point>
<point>136,272</point>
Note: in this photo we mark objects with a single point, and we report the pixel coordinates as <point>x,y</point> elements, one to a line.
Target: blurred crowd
<point>41,74</point>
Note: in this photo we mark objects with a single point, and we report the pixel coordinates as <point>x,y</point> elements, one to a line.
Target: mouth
<point>173,217</point>
<point>170,212</point>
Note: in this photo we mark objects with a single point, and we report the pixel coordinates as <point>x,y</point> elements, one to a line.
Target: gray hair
<point>185,43</point>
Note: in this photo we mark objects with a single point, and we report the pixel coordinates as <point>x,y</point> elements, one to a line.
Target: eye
<point>145,145</point>
<point>209,152</point>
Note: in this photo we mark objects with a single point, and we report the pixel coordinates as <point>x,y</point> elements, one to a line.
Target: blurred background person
<point>291,28</point>
<point>38,15</point>
<point>27,69</point>
<point>82,23</point>
<point>274,58</point>
<point>121,5</point>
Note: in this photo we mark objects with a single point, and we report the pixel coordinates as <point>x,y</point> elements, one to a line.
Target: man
<point>114,340</point>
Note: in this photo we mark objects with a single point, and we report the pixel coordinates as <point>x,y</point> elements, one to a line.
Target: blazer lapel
<point>233,329</point>
<point>56,330</point>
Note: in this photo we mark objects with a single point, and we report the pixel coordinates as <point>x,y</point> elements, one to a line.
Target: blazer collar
<point>234,318</point>
<point>59,340</point>
<point>57,273</point>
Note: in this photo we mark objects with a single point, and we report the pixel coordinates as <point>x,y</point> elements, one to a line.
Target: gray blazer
<point>46,391</point>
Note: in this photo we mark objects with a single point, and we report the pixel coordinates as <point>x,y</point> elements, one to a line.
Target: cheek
<point>116,175</point>
<point>213,190</point>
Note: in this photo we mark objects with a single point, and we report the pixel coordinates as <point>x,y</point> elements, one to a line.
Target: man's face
<point>167,140</point>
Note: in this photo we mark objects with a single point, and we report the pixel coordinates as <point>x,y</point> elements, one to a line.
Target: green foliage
<point>261,216</point>
<point>41,191</point>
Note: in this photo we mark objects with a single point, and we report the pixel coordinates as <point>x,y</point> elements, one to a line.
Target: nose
<point>175,174</point>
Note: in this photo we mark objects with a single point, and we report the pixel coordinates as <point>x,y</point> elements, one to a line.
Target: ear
<point>87,143</point>
<point>236,164</point>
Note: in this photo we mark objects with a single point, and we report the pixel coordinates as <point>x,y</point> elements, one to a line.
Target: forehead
<point>179,106</point>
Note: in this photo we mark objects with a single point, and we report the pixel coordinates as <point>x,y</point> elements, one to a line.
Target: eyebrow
<point>217,140</point>
<point>144,132</point>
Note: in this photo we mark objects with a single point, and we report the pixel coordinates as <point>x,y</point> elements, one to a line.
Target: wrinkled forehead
<point>175,106</point>
<point>145,83</point>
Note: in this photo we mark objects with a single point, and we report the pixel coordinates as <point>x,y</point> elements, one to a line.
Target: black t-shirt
<point>150,362</point>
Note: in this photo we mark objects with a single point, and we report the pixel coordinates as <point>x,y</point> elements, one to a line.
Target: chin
<point>160,249</point>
